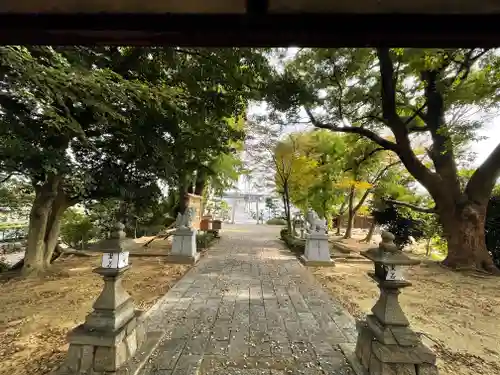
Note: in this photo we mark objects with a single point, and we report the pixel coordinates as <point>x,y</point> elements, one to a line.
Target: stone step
<point>351,260</point>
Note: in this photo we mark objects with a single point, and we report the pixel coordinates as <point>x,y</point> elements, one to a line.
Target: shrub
<point>77,229</point>
<point>400,224</point>
<point>204,240</point>
<point>4,267</point>
<point>492,229</point>
<point>276,221</point>
<point>297,245</point>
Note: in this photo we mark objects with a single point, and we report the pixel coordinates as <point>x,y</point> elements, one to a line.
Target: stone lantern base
<point>184,247</point>
<point>317,251</point>
<point>97,352</point>
<point>391,351</point>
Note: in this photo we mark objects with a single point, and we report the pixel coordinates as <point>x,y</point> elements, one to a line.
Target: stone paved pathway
<point>250,308</point>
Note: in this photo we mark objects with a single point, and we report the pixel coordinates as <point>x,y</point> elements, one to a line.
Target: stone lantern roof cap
<point>117,243</point>
<point>387,253</point>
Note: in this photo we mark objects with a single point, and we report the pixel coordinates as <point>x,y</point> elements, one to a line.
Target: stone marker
<point>114,330</point>
<point>386,344</point>
<point>317,250</point>
<point>184,242</point>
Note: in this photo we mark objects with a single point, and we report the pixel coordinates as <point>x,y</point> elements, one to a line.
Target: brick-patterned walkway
<point>250,308</point>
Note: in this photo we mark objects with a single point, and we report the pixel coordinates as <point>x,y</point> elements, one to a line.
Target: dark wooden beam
<point>257,7</point>
<point>314,30</point>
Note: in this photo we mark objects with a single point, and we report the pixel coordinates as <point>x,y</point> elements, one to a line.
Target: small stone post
<point>114,330</point>
<point>386,344</point>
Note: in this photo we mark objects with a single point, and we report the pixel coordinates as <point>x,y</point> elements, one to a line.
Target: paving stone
<point>221,330</point>
<point>238,344</point>
<point>336,365</point>
<point>298,302</point>
<point>216,347</point>
<point>170,351</point>
<point>294,331</point>
<point>198,343</point>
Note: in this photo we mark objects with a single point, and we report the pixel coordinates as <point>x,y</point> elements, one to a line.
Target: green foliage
<point>276,221</point>
<point>16,196</point>
<point>4,267</point>
<point>7,226</point>
<point>204,240</point>
<point>77,229</point>
<point>345,86</point>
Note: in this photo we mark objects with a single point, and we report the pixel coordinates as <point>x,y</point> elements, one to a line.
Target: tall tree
<point>67,128</point>
<point>409,93</point>
<point>316,186</point>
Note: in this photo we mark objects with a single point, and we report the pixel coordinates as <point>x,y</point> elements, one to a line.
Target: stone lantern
<point>386,344</point>
<point>114,330</point>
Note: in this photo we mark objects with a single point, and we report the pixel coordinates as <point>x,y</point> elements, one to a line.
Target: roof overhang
<point>251,22</point>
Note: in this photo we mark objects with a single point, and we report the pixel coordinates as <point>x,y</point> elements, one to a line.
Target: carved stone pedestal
<point>378,358</point>
<point>317,250</point>
<point>111,334</point>
<point>184,247</point>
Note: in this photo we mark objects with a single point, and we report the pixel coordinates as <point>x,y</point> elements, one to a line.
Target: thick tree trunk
<point>201,181</point>
<point>350,213</point>
<point>34,260</point>
<point>53,228</point>
<point>464,232</point>
<point>35,248</point>
<point>183,200</point>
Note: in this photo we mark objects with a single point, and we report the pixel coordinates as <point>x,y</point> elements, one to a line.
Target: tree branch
<point>6,178</point>
<point>384,143</point>
<point>416,113</point>
<point>379,175</point>
<point>366,157</point>
<point>412,206</point>
<point>484,178</point>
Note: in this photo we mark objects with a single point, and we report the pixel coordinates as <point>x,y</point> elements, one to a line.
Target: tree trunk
<point>34,261</point>
<point>350,212</point>
<point>287,202</point>
<point>59,205</point>
<point>183,200</point>
<point>464,232</point>
<point>369,236</point>
<point>34,257</point>
<point>201,180</point>
<point>284,203</point>
<point>328,220</point>
<point>428,247</point>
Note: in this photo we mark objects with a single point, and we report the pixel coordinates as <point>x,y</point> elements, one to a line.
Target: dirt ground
<point>36,314</point>
<point>458,313</point>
